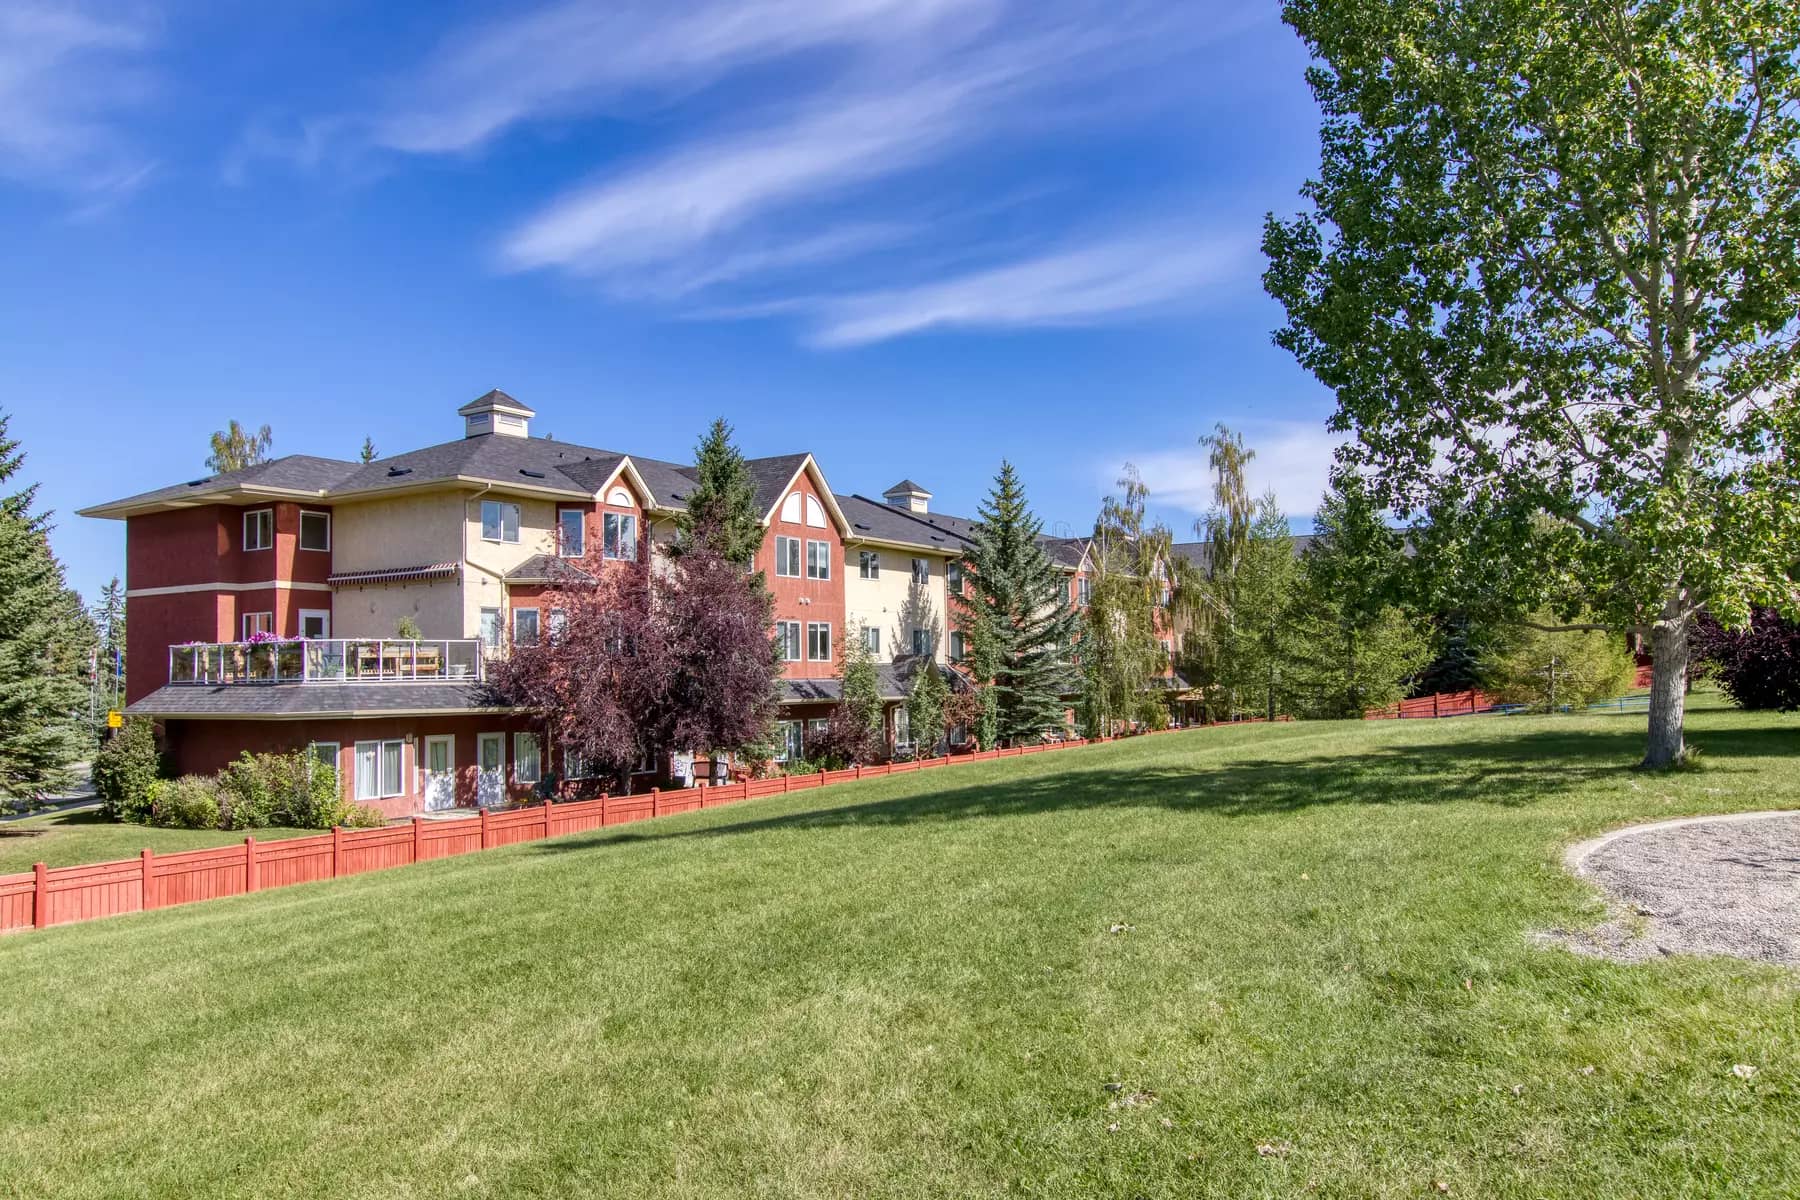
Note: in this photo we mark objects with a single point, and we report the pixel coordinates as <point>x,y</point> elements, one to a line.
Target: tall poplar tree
<point>45,640</point>
<point>1119,650</point>
<point>1551,269</point>
<point>235,447</point>
<point>1017,617</point>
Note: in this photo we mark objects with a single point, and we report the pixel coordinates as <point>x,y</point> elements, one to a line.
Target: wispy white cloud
<point>1293,459</point>
<point>67,73</point>
<point>1084,285</point>
<point>577,55</point>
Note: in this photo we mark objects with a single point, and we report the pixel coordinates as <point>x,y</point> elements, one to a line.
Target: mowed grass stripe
<point>908,988</point>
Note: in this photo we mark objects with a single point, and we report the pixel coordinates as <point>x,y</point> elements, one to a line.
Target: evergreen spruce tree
<point>1350,647</point>
<point>722,506</point>
<point>1018,619</point>
<point>45,641</point>
<point>368,452</point>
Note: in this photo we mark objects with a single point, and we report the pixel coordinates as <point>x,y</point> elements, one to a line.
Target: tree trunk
<point>1668,691</point>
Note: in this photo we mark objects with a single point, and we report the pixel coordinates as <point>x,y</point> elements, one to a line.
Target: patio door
<point>490,779</point>
<point>440,773</point>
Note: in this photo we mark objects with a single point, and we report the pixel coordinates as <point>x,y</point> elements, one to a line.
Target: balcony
<point>327,660</point>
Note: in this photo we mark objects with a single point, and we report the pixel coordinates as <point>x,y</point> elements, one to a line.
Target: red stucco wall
<point>802,599</point>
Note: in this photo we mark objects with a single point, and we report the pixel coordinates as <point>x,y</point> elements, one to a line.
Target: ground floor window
<point>378,773</point>
<point>325,752</point>
<point>792,747</point>
<point>527,765</point>
<point>817,728</point>
<point>576,764</point>
<point>902,729</point>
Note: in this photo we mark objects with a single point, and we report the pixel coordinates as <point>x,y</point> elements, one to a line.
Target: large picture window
<point>621,536</point>
<point>259,529</point>
<point>818,641</point>
<point>499,521</point>
<point>378,770</point>
<point>571,528</point>
<point>818,560</point>
<point>787,557</point>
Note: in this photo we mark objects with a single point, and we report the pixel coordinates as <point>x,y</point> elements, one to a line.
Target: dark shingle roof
<point>291,473</point>
<point>906,485</point>
<point>892,680</point>
<point>315,700</point>
<point>771,476</point>
<point>1200,553</point>
<point>491,397</point>
<point>548,568</point>
<point>1064,552</point>
<point>883,522</point>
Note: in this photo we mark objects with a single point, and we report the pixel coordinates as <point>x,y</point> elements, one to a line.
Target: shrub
<point>1758,666</point>
<point>363,816</point>
<point>191,802</point>
<point>1552,670</point>
<point>126,768</point>
<point>293,789</point>
<point>247,793</point>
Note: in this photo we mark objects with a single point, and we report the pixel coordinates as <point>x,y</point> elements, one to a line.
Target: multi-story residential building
<point>353,607</point>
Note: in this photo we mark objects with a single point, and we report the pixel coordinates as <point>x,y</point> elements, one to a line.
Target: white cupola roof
<point>496,413</point>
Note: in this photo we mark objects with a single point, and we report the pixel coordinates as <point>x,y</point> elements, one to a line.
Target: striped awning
<point>443,570</point>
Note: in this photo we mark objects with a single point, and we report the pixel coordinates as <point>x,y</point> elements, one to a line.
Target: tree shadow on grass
<point>1508,771</point>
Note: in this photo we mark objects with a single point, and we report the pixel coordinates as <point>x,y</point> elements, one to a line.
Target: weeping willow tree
<point>1121,653</point>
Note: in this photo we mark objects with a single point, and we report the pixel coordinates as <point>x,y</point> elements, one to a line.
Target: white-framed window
<point>325,753</point>
<point>499,521</point>
<point>258,622</point>
<point>869,565</point>
<point>790,508</point>
<point>315,622</point>
<point>872,639</point>
<point>528,765</point>
<point>646,763</point>
<point>557,624</point>
<point>571,532</point>
<point>378,769</point>
<point>787,557</point>
<point>902,728</point>
<point>315,530</point>
<point>818,560</point>
<point>525,626</point>
<point>921,568</point>
<point>259,529</point>
<point>817,727</point>
<point>959,645</point>
<point>787,640</point>
<point>576,764</point>
<point>1084,590</point>
<point>818,641</point>
<point>490,628</point>
<point>953,577</point>
<point>793,742</point>
<point>815,513</point>
<point>620,532</point>
<point>921,641</point>
<point>620,497</point>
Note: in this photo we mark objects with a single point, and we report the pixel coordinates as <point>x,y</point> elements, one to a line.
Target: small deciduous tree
<point>1120,652</point>
<point>1551,669</point>
<point>853,734</point>
<point>1552,273</point>
<point>235,447</point>
<point>926,703</point>
<point>1016,616</point>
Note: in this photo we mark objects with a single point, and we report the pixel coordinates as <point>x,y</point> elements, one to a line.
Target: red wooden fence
<point>60,896</point>
<point>1443,704</point>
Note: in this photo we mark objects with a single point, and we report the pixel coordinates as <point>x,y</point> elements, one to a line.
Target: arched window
<point>790,508</point>
<point>620,497</point>
<point>815,513</point>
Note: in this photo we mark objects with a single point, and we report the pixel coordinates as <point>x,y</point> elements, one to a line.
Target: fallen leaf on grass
<point>1121,927</point>
<point>1743,1070</point>
<point>1274,1149</point>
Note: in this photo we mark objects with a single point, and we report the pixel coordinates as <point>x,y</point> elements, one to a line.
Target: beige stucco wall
<point>400,531</point>
<point>891,603</point>
<point>488,562</point>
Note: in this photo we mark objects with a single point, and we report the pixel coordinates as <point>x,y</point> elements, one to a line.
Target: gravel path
<point>1702,885</point>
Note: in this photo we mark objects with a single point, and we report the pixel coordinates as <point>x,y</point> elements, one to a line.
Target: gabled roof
<point>548,568</point>
<point>774,476</point>
<point>1068,552</point>
<point>495,398</point>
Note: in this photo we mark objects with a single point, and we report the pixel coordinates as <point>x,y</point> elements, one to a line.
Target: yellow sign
<point>114,718</point>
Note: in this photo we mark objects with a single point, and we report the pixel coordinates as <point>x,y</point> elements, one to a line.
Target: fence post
<point>147,901</point>
<point>546,816</point>
<point>484,829</point>
<point>703,793</point>
<point>40,902</point>
<point>784,783</point>
<point>656,802</point>
<point>1434,705</point>
<point>859,770</point>
<point>418,824</point>
<point>337,851</point>
<point>251,881</point>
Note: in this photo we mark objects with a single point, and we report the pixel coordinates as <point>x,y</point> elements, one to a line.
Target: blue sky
<point>912,236</point>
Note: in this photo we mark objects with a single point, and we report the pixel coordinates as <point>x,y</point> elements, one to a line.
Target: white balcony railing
<point>327,660</point>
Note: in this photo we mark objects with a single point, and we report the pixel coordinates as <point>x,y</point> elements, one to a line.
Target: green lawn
<point>66,838</point>
<point>909,988</point>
